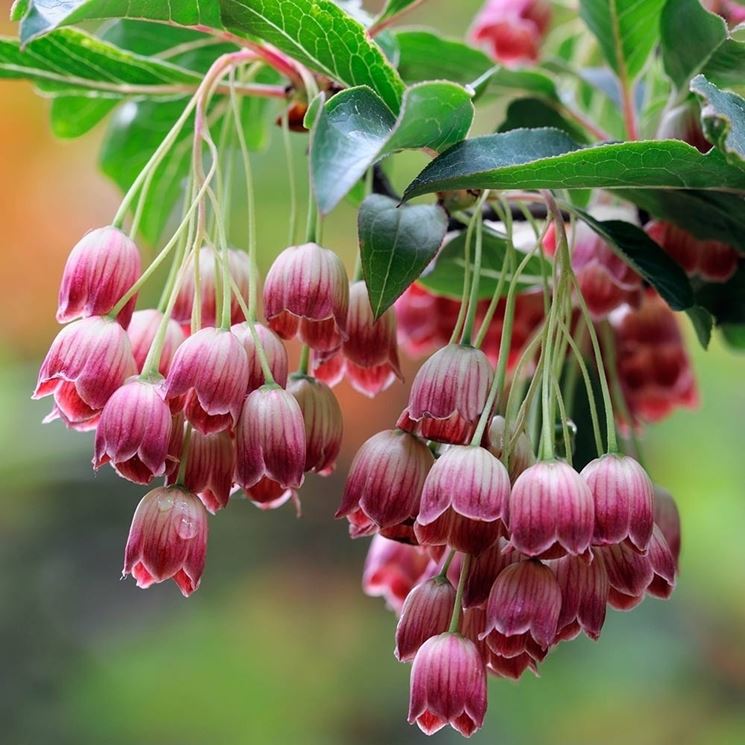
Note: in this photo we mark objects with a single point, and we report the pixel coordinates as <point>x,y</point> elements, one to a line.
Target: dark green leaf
<point>703,323</point>
<point>646,257</point>
<point>355,129</point>
<point>723,118</point>
<point>726,302</point>
<point>44,16</point>
<point>322,36</point>
<point>445,276</point>
<point>689,34</point>
<point>72,62</point>
<point>396,244</point>
<point>734,336</point>
<point>626,30</point>
<point>535,112</point>
<point>549,159</point>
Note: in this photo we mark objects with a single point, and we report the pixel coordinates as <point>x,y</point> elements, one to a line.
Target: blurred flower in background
<point>280,646</point>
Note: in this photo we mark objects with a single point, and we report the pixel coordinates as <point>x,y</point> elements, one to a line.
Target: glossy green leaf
<point>703,323</point>
<point>627,31</point>
<point>322,36</point>
<point>446,274</point>
<point>705,214</point>
<point>74,116</point>
<point>535,112</point>
<point>396,244</point>
<point>72,62</point>
<point>393,8</point>
<point>355,129</point>
<point>549,159</point>
<point>43,16</point>
<point>723,119</point>
<point>646,257</point>
<point>689,35</point>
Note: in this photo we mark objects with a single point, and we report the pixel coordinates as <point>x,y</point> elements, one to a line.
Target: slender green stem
<point>466,278</point>
<point>304,363</point>
<point>184,455</point>
<point>289,159</point>
<point>473,299</point>
<point>458,604</point>
<point>564,421</point>
<point>535,382</point>
<point>444,571</point>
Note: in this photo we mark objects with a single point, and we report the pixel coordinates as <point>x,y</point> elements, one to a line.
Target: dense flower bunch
<point>494,536</point>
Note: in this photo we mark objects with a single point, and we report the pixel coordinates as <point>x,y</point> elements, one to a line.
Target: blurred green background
<point>279,645</point>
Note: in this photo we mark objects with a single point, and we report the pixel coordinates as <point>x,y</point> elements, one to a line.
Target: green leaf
<point>549,159</point>
<point>445,275</point>
<point>535,112</point>
<point>72,62</point>
<point>705,214</point>
<point>626,30</point>
<point>689,35</point>
<point>723,119</point>
<point>43,16</point>
<point>393,8</point>
<point>396,244</point>
<point>322,36</point>
<point>646,257</point>
<point>74,116</point>
<point>734,336</point>
<point>703,323</point>
<point>355,129</point>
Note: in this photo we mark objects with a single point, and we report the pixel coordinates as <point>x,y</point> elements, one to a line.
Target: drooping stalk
<point>458,604</point>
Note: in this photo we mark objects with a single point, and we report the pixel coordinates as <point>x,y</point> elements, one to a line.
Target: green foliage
<point>355,129</point>
<point>723,118</point>
<point>396,244</point>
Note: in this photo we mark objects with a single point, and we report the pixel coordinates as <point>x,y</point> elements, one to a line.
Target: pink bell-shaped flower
<point>463,499</point>
<point>666,516</point>
<point>168,539</point>
<point>392,569</point>
<point>485,568</point>
<point>88,360</point>
<point>211,366</point>
<point>522,612</point>
<point>306,292</point>
<point>210,465</point>
<point>448,685</point>
<point>274,349</point>
<point>99,271</point>
<point>385,481</point>
<point>629,574</point>
<point>550,511</point>
<point>134,432</point>
<point>624,500</point>
<point>448,394</point>
<point>426,612</point>
<point>324,423</point>
<point>270,445</point>
<point>142,330</point>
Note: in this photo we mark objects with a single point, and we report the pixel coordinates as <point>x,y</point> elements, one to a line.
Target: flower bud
<point>713,261</point>
<point>448,685</point>
<point>142,330</point>
<point>323,420</point>
<point>167,540</point>
<point>426,612</point>
<point>448,395</point>
<point>134,431</point>
<point>624,500</point>
<point>270,443</point>
<point>385,480</point>
<point>99,270</point>
<point>274,349</point>
<point>584,594</point>
<point>462,500</point>
<point>521,456</point>
<point>667,517</point>
<point>86,363</point>
<point>511,31</point>
<point>210,465</point>
<point>306,292</point>
<point>212,367</point>
<point>522,612</point>
<point>392,569</point>
<point>210,286</point>
<point>550,511</point>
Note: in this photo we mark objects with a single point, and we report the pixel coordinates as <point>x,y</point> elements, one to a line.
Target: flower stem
<point>287,142</point>
<point>304,363</point>
<point>457,605</point>
<point>473,299</point>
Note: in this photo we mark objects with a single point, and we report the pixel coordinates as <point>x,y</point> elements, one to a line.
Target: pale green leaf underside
<point>723,118</point>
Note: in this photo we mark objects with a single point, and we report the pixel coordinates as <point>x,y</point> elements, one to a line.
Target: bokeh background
<point>279,645</point>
